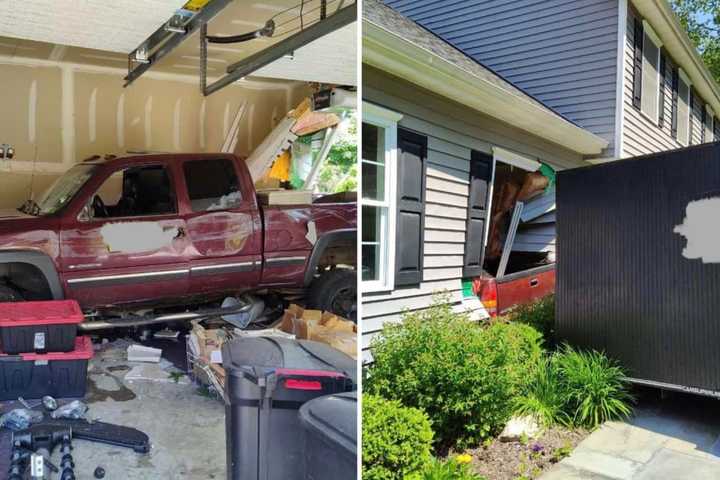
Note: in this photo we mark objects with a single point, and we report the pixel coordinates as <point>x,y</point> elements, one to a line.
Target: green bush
<point>447,470</point>
<point>544,397</point>
<point>540,315</point>
<point>396,440</point>
<point>575,388</point>
<point>593,386</point>
<point>464,376</point>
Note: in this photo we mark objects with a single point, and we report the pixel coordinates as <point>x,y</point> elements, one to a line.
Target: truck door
<point>224,227</point>
<point>127,244</point>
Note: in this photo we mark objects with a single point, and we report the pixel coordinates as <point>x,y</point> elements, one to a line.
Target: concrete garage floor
<point>186,428</point>
<point>674,438</point>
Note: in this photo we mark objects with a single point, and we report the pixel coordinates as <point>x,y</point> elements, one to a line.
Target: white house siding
<point>640,134</point>
<point>453,131</point>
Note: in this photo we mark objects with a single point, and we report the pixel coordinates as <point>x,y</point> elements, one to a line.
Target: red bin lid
<point>22,314</point>
<point>83,351</point>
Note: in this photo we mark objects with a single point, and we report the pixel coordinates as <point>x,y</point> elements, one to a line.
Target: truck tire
<point>8,294</point>
<point>335,291</point>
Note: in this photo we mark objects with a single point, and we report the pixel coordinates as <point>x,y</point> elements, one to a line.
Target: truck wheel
<point>335,291</point>
<point>8,294</point>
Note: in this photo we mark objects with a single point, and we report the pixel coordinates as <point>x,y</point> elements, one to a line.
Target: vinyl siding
<point>641,135</point>
<point>562,52</point>
<point>453,131</point>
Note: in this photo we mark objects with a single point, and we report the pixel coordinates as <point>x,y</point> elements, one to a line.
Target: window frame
<point>238,178</point>
<point>649,34</point>
<point>106,175</point>
<point>682,77</point>
<point>709,126</point>
<point>387,120</point>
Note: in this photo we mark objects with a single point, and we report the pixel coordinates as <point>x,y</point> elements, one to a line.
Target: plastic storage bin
<point>268,379</point>
<point>34,375</point>
<point>330,437</point>
<point>39,326</point>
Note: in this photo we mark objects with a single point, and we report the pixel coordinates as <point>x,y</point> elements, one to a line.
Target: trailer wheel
<point>8,294</point>
<point>335,291</point>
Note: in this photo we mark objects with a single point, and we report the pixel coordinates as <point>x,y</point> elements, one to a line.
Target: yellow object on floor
<point>195,5</point>
<point>281,167</point>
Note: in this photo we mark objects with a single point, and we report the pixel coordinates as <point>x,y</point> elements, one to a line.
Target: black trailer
<point>638,265</point>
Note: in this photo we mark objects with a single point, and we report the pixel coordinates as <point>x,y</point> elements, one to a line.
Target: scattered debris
<point>167,334</point>
<point>324,327</point>
<point>20,419</point>
<point>140,353</point>
<point>74,410</point>
<point>49,403</point>
<point>154,373</point>
<point>99,472</point>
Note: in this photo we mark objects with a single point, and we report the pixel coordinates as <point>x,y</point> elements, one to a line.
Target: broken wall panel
<point>57,114</point>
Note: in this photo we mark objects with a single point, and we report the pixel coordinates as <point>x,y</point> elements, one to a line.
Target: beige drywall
<point>57,114</point>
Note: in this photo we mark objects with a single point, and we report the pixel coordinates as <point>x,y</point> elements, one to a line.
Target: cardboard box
<point>320,326</point>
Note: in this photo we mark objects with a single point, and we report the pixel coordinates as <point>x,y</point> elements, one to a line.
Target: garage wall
<point>56,114</point>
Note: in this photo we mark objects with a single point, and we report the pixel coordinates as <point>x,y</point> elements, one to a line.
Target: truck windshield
<point>64,189</point>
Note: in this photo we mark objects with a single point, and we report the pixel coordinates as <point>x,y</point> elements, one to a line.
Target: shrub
<point>448,470</point>
<point>462,375</point>
<point>540,315</point>
<point>593,387</point>
<point>396,440</point>
<point>544,397</point>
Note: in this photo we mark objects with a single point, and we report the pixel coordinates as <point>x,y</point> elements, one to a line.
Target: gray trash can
<point>268,379</point>
<point>330,426</point>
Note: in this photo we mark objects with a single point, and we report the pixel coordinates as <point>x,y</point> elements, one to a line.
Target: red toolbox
<point>34,375</point>
<point>49,326</point>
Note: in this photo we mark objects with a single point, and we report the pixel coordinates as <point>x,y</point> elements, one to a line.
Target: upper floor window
<point>650,97</point>
<point>683,108</point>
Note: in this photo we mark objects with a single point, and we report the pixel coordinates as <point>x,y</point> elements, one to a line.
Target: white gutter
<point>676,41</point>
<point>391,53</point>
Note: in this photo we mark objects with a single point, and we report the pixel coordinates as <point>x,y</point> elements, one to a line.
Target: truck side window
<point>212,184</point>
<point>135,191</point>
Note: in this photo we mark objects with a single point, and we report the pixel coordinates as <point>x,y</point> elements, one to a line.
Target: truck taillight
<point>486,289</point>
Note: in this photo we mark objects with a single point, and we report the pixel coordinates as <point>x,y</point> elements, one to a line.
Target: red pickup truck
<point>146,230</point>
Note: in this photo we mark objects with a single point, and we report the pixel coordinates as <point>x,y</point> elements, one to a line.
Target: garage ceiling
<point>330,59</point>
<point>108,25</point>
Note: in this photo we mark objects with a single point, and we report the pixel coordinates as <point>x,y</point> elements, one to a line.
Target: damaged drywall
<point>701,229</point>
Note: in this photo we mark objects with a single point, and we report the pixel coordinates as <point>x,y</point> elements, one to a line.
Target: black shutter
<point>716,130</point>
<point>691,107</point>
<point>661,102</point>
<point>412,153</point>
<point>674,110</point>
<point>481,170</point>
<point>703,120</point>
<point>637,62</point>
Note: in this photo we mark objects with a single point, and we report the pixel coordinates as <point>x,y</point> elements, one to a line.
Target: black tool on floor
<point>101,432</point>
<point>32,448</point>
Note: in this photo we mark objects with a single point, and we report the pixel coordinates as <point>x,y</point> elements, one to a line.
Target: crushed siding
<point>535,44</point>
<point>453,131</point>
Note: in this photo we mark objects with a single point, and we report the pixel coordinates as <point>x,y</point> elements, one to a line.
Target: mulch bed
<point>524,460</point>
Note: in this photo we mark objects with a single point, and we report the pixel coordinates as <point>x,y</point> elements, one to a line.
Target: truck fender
<point>347,234</point>
<point>40,261</point>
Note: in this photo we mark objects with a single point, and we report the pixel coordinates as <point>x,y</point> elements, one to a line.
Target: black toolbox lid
<point>333,417</point>
<point>260,356</point>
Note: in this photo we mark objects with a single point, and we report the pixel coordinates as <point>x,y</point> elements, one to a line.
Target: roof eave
<point>391,53</point>
<point>676,41</point>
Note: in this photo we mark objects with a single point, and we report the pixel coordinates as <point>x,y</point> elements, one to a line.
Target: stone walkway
<point>676,439</point>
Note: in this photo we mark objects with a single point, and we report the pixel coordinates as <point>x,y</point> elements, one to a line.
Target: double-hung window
<point>650,99</point>
<point>683,108</point>
<point>378,201</point>
<point>709,123</point>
